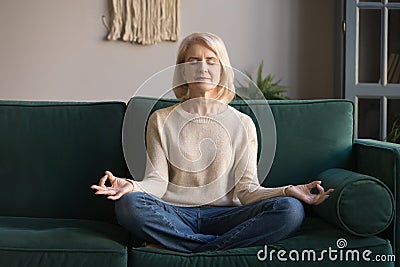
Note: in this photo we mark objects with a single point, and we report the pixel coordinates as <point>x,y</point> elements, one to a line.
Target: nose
<point>203,66</point>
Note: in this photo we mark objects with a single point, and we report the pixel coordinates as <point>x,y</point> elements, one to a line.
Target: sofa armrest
<point>381,160</point>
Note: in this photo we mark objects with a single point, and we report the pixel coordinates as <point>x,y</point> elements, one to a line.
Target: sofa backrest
<point>50,154</point>
<point>312,135</point>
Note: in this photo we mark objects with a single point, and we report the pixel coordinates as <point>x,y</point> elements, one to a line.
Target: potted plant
<point>261,87</point>
<point>394,134</point>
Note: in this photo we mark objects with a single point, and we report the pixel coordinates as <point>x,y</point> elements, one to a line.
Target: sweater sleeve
<point>155,180</point>
<point>247,188</point>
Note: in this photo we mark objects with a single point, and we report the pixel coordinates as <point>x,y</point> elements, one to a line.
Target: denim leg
<point>155,221</point>
<point>259,223</point>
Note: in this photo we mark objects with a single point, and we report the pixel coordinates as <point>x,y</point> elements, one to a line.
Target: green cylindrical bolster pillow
<point>360,204</point>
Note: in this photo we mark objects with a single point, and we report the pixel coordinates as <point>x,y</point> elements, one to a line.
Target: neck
<point>204,106</point>
<point>211,94</point>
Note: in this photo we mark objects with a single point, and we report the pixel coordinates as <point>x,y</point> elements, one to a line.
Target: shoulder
<point>161,114</point>
<point>247,123</point>
<point>245,119</point>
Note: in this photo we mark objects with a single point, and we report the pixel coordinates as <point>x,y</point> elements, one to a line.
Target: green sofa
<point>51,152</point>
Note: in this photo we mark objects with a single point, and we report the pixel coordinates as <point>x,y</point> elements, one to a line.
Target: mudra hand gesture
<point>118,188</point>
<point>303,193</point>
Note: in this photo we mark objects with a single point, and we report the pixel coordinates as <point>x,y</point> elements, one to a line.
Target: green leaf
<point>270,88</point>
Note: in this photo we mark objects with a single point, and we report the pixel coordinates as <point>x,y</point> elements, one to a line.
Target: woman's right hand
<point>118,188</point>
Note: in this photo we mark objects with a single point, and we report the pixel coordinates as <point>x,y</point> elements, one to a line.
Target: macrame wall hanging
<point>144,21</point>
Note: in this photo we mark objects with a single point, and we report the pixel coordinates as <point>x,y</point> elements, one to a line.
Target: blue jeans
<point>197,229</point>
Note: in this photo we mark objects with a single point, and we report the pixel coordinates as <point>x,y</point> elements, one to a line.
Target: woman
<point>200,191</point>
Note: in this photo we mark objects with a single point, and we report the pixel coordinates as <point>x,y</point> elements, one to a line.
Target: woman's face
<point>202,70</point>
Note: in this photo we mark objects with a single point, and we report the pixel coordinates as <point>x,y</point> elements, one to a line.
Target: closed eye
<point>209,61</point>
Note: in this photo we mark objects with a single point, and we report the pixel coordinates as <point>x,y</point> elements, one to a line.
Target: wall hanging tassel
<point>117,20</point>
<point>145,21</point>
<point>128,35</point>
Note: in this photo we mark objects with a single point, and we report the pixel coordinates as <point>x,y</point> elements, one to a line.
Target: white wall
<point>55,50</point>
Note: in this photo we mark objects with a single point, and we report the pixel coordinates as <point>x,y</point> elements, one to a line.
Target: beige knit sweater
<point>195,160</point>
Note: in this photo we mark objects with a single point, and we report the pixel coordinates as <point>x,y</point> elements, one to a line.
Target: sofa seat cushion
<point>61,242</point>
<point>315,235</point>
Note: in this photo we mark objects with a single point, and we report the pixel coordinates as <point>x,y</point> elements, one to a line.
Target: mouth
<point>202,79</point>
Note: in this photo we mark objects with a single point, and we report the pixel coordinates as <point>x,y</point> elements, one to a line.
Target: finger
<point>320,199</point>
<point>313,184</point>
<point>326,192</point>
<point>329,191</point>
<point>116,197</point>
<point>108,192</point>
<point>111,176</point>
<point>120,193</point>
<point>103,180</point>
<point>96,187</point>
<point>101,188</point>
<point>321,190</point>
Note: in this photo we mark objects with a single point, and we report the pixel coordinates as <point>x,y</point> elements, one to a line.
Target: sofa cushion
<point>50,154</point>
<point>360,204</point>
<point>58,242</point>
<point>312,136</point>
<point>314,235</point>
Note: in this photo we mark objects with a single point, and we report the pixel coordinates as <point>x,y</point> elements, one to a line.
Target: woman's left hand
<point>303,192</point>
